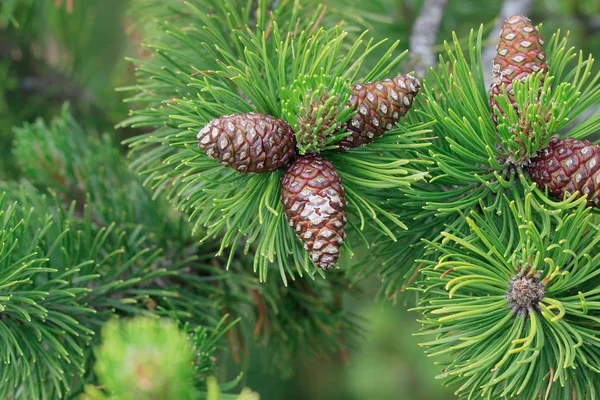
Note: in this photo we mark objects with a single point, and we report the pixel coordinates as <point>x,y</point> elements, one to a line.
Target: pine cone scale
<point>315,206</point>
<point>519,54</point>
<point>379,106</point>
<point>249,142</point>
<point>566,166</point>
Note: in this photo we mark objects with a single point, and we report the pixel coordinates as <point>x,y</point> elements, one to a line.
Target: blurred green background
<point>52,51</point>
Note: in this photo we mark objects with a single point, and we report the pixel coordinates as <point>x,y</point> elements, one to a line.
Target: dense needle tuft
<point>316,107</point>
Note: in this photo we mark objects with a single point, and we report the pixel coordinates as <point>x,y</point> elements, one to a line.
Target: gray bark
<point>424,35</point>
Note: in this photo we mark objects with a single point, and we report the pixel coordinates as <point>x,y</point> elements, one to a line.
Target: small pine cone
<point>566,166</point>
<point>379,106</point>
<point>519,54</point>
<point>315,205</point>
<point>249,142</point>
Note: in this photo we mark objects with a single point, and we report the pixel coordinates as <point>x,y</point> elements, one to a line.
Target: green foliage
<point>472,161</point>
<point>49,55</point>
<point>133,364</point>
<point>467,292</point>
<point>85,267</point>
<point>441,199</point>
<point>205,66</point>
<point>61,280</point>
<point>494,352</point>
<point>469,163</point>
<point>89,169</point>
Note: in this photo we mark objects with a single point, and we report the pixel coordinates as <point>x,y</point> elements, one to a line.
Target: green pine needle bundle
<point>511,305</point>
<point>61,280</point>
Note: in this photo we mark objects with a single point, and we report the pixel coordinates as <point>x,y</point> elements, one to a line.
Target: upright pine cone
<point>315,206</point>
<point>379,106</point>
<point>519,54</point>
<point>249,142</point>
<point>566,166</point>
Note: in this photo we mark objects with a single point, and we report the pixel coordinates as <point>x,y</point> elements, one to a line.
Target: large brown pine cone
<point>315,206</point>
<point>250,142</point>
<point>566,166</point>
<point>379,106</point>
<point>519,54</point>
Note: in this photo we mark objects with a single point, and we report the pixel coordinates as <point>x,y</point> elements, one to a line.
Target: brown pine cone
<point>250,142</point>
<point>519,54</point>
<point>566,166</point>
<point>315,206</point>
<point>379,106</point>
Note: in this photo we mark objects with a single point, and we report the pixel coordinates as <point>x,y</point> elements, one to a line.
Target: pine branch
<point>506,298</point>
<point>470,154</point>
<point>194,286</point>
<point>184,88</point>
<point>471,158</point>
<point>62,280</point>
<point>173,280</point>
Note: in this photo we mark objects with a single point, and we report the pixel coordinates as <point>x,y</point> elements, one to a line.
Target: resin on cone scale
<point>379,106</point>
<point>519,54</point>
<point>250,142</point>
<point>566,166</point>
<point>315,206</point>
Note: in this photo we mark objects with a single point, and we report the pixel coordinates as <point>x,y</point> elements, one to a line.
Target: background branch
<point>424,35</point>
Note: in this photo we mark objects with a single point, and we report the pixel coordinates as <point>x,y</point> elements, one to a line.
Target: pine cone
<point>519,54</point>
<point>379,106</point>
<point>249,142</point>
<point>566,166</point>
<point>315,205</point>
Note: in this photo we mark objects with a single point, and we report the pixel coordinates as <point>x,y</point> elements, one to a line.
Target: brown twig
<point>549,384</point>
<point>70,5</point>
<point>451,270</point>
<point>234,345</point>
<point>261,306</point>
<point>338,301</point>
<point>318,21</point>
<point>410,281</point>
